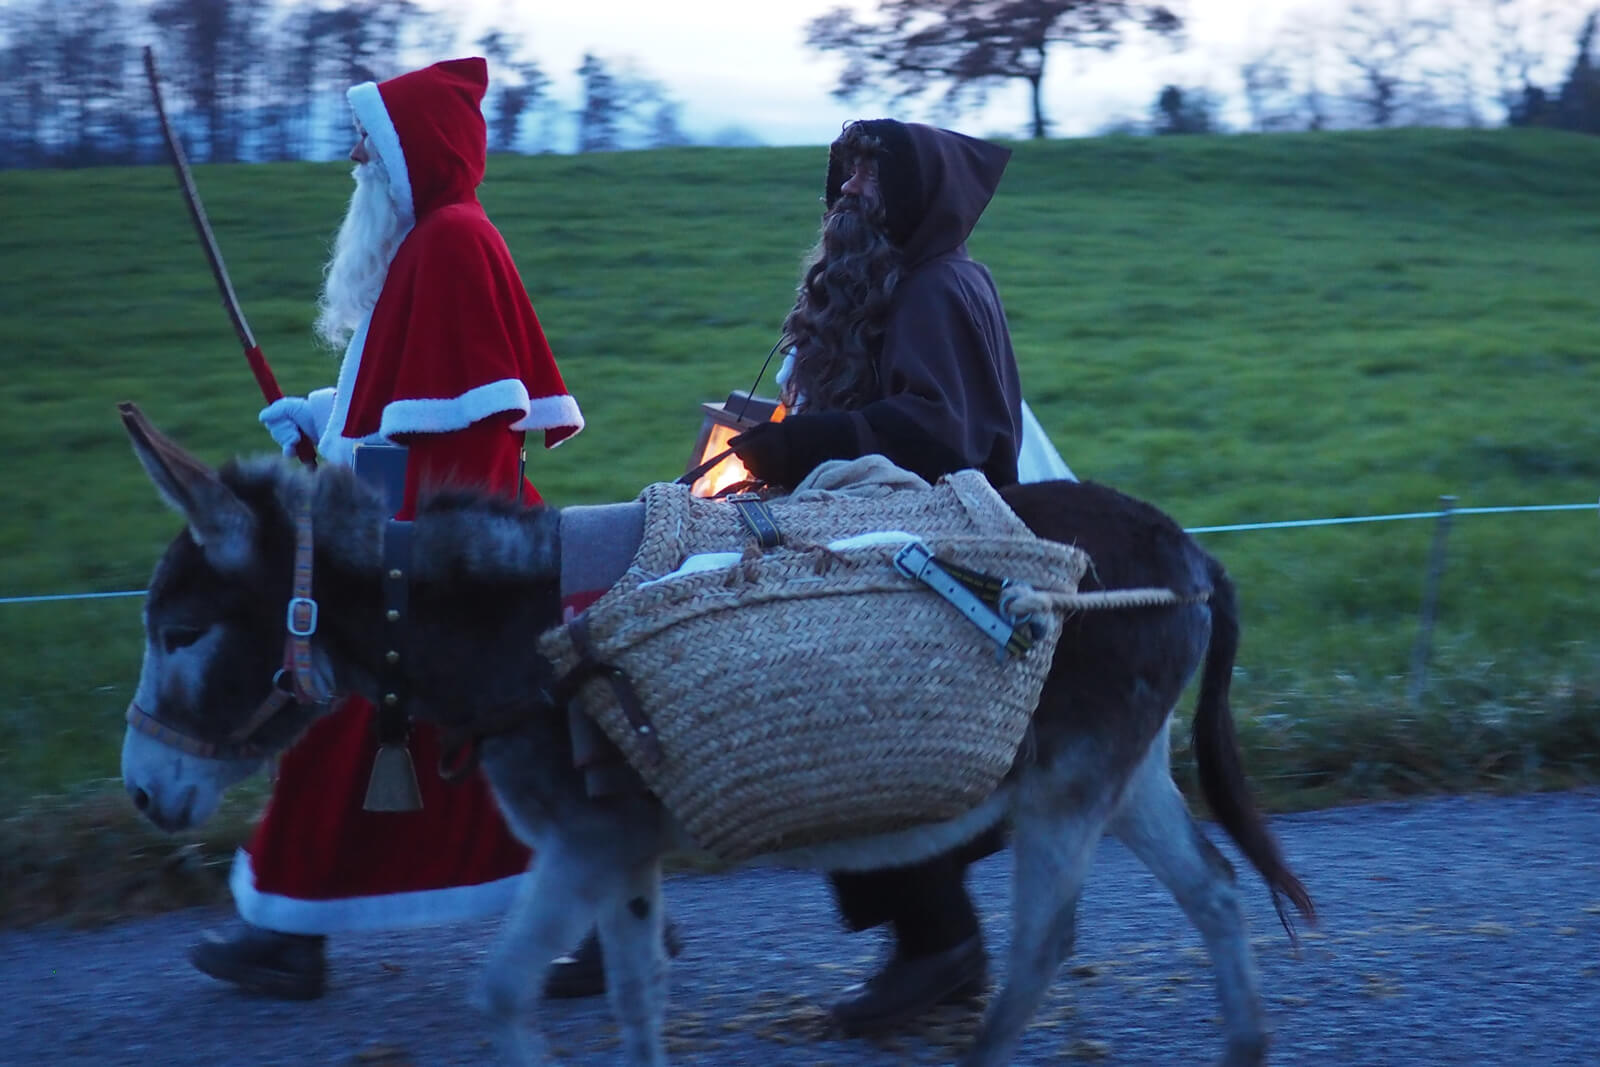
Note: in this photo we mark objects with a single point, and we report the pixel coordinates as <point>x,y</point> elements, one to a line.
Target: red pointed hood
<point>427,127</point>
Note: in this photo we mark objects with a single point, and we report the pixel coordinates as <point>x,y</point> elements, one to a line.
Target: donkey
<point>484,585</point>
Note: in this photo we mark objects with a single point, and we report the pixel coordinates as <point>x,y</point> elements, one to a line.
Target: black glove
<point>908,445</point>
<point>783,453</point>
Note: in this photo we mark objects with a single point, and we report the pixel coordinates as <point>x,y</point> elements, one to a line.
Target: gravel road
<point>1463,930</point>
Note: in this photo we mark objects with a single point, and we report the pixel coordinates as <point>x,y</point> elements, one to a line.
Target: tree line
<point>264,79</point>
<point>254,80</point>
<point>1366,63</point>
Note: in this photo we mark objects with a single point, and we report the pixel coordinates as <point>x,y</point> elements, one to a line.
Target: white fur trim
<point>550,412</point>
<point>389,911</point>
<point>444,414</point>
<point>367,104</point>
<point>335,447</point>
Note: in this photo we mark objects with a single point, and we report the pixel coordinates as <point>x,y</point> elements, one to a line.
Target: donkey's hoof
<point>1245,1052</point>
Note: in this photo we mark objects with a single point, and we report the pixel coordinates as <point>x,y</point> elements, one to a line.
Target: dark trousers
<point>926,903</point>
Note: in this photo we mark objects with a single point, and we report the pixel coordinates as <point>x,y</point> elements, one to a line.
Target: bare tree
<point>245,78</point>
<point>517,85</point>
<point>369,37</point>
<point>65,72</point>
<point>1268,92</point>
<point>970,46</point>
<point>651,118</point>
<point>600,118</point>
<point>1387,45</point>
<point>94,72</point>
<point>32,125</point>
<point>666,126</point>
<point>295,43</point>
<point>624,108</point>
<point>1501,50</point>
<point>1415,62</point>
<point>197,34</point>
<point>1289,83</point>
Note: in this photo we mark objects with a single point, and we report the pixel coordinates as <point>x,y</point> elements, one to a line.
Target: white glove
<point>288,417</point>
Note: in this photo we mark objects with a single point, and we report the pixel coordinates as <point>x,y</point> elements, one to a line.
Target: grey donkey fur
<point>485,585</point>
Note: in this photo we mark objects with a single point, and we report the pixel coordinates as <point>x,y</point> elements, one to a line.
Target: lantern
<point>720,424</point>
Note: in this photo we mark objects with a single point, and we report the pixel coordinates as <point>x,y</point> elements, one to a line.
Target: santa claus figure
<point>444,355</point>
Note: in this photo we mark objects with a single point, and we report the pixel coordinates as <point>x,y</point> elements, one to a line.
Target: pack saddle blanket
<point>809,692</point>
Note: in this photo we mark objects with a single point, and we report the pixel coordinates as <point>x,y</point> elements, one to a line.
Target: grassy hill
<point>1237,328</point>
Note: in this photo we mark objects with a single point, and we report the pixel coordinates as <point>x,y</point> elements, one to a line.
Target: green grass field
<point>1238,328</point>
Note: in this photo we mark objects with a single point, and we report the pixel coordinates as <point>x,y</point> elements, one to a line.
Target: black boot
<point>582,973</point>
<point>908,986</point>
<point>286,966</point>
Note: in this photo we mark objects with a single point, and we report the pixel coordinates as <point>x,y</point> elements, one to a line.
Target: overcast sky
<point>745,63</point>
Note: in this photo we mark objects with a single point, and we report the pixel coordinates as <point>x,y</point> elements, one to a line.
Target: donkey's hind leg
<point>1154,823</point>
<point>552,909</point>
<point>1057,824</point>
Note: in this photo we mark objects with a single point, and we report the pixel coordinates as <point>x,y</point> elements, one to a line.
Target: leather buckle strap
<point>1013,636</point>
<point>757,517</point>
<point>301,617</point>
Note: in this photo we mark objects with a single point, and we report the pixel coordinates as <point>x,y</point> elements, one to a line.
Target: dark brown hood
<point>935,184</point>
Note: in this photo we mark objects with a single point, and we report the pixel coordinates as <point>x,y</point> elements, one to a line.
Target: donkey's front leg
<point>630,925</point>
<point>553,908</point>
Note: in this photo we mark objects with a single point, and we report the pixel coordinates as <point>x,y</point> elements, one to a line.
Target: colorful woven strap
<point>757,518</point>
<point>301,618</point>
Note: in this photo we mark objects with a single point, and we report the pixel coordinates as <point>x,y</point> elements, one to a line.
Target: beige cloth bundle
<point>805,694</point>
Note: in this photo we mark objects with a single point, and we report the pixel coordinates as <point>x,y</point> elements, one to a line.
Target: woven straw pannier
<point>805,695</point>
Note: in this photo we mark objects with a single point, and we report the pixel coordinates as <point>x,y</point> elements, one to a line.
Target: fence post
<point>1423,649</point>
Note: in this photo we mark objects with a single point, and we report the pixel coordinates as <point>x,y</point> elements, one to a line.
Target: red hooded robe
<point>453,364</point>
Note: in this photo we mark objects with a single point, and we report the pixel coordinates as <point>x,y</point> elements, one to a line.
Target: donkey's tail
<point>1216,749</point>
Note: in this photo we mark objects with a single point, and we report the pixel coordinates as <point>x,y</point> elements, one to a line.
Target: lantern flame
<point>729,472</point>
<point>723,423</point>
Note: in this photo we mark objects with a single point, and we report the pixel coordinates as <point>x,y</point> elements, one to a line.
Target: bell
<point>393,786</point>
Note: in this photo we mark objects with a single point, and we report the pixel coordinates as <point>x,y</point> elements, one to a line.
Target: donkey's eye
<point>176,637</point>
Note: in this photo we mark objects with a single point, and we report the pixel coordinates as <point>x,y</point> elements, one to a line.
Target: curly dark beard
<point>841,308</point>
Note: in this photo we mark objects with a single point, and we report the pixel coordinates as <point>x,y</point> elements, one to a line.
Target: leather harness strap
<point>394,725</point>
<point>757,518</point>
<point>589,667</point>
<point>301,617</point>
<point>291,683</point>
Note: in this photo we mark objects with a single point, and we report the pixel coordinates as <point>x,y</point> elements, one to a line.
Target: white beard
<point>367,240</point>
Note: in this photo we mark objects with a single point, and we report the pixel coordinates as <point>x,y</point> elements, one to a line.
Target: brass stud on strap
<point>393,615</point>
<point>391,656</point>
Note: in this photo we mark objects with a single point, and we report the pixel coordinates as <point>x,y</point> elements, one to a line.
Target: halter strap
<point>237,746</point>
<point>301,616</point>
<point>293,682</point>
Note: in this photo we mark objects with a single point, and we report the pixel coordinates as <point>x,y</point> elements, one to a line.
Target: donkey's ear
<point>219,521</point>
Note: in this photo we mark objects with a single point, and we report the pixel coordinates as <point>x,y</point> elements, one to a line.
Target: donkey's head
<point>213,699</point>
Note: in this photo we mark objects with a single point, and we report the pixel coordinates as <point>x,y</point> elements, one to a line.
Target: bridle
<point>292,683</point>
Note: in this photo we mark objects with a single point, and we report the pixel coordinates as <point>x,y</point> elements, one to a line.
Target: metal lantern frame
<point>720,423</point>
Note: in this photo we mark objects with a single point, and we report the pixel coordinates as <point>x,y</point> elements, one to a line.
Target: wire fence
<point>1286,524</point>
